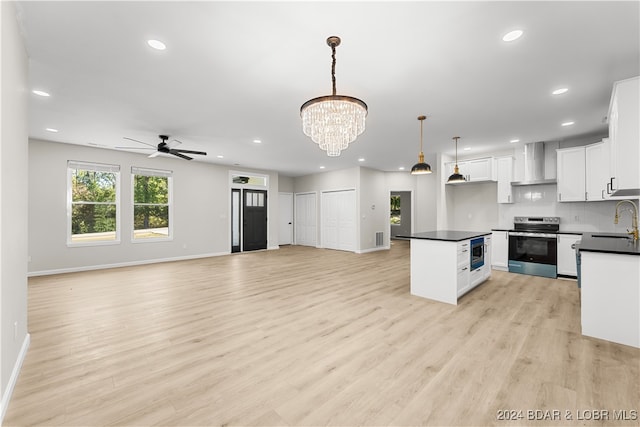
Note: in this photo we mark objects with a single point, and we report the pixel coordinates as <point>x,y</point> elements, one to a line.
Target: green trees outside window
<point>395,210</point>
<point>93,205</point>
<point>151,202</point>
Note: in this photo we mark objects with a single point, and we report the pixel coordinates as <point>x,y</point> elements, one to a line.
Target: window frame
<point>73,165</point>
<point>135,170</point>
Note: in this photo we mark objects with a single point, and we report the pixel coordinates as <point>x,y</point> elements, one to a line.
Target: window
<point>93,212</point>
<point>151,204</point>
<point>395,210</point>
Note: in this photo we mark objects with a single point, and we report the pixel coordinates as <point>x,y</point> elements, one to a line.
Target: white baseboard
<point>270,248</point>
<point>6,394</point>
<point>121,264</point>
<point>379,248</point>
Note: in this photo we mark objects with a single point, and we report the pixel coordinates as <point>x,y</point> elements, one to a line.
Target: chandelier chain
<point>333,67</point>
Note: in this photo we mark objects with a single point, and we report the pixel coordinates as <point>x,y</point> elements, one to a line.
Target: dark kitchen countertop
<point>610,245</point>
<point>447,235</point>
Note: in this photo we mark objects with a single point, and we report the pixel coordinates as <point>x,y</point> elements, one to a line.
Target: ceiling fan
<point>164,147</point>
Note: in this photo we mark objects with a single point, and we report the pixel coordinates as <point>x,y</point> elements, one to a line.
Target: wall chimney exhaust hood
<point>534,165</point>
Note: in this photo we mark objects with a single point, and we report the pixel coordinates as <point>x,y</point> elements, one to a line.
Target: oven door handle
<point>525,234</point>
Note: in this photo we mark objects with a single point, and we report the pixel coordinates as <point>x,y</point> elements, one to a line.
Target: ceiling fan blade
<point>135,140</point>
<point>202,153</point>
<point>156,154</point>
<point>182,156</point>
<point>133,148</point>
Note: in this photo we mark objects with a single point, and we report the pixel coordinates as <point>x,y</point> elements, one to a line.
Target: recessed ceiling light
<point>401,168</point>
<point>513,141</point>
<point>560,91</point>
<point>220,156</point>
<point>257,141</point>
<point>512,35</point>
<point>156,44</point>
<point>41,93</point>
<point>321,167</point>
<point>51,130</point>
<point>568,123</point>
<point>361,159</point>
<point>467,148</point>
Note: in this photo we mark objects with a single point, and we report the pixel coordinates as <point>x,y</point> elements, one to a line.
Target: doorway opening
<point>400,213</point>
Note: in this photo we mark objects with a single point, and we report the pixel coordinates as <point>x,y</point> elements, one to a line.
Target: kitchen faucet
<point>634,218</point>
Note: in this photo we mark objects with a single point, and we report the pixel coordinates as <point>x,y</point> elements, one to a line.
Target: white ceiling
<point>238,71</point>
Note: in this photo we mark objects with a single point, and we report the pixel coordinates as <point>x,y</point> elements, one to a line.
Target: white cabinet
<point>464,261</point>
<point>500,250</point>
<point>571,171</point>
<point>597,172</point>
<point>487,257</point>
<point>567,255</point>
<point>504,174</point>
<point>477,170</point>
<point>624,134</point>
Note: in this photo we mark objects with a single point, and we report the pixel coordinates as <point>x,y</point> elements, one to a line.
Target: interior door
<point>305,219</point>
<point>285,227</point>
<point>339,220</point>
<point>254,221</point>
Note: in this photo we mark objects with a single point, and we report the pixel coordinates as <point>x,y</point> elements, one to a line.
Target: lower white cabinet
<point>567,255</point>
<point>500,250</point>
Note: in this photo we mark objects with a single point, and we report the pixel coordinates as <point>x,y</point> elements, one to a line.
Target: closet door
<point>339,220</point>
<point>305,219</point>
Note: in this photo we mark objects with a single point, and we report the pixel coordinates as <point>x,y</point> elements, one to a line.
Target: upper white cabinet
<point>571,174</point>
<point>504,174</point>
<point>476,170</point>
<point>624,135</point>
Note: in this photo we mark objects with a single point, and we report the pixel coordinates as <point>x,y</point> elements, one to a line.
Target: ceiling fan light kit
<point>333,121</point>
<point>421,168</point>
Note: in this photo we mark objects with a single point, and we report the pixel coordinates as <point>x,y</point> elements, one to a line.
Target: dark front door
<point>254,224</point>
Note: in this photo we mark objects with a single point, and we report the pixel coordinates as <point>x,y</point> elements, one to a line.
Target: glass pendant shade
<point>421,168</point>
<point>333,121</point>
<point>456,176</point>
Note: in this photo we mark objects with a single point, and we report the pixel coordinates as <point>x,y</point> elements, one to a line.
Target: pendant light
<point>421,167</point>
<point>333,121</point>
<point>455,176</point>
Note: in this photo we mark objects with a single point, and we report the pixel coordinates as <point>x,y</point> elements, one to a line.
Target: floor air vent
<point>379,238</point>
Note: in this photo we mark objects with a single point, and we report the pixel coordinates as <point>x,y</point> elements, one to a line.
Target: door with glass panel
<point>248,220</point>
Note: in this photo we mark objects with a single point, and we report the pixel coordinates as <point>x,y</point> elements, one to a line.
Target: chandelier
<point>421,168</point>
<point>333,121</point>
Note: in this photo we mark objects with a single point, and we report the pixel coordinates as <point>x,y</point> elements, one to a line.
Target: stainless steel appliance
<point>477,253</point>
<point>533,246</point>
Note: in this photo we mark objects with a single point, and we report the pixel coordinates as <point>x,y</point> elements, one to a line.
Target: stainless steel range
<point>533,246</point>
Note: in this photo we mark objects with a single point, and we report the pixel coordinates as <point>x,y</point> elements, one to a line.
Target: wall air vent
<point>379,238</point>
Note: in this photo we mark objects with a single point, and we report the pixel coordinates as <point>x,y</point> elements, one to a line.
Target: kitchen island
<point>446,264</point>
<point>610,288</point>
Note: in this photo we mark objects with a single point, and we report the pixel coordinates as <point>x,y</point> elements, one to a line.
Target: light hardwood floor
<point>304,336</point>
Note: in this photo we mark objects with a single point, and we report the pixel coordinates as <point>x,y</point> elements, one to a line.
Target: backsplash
<point>540,200</point>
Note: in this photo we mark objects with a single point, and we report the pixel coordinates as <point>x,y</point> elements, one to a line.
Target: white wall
<point>285,184</point>
<point>374,207</point>
<point>13,202</point>
<point>474,207</point>
<point>201,209</point>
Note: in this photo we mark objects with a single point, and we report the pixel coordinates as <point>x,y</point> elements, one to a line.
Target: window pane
<point>150,221</point>
<point>395,210</point>
<point>93,186</point>
<point>150,189</point>
<point>90,222</point>
<point>260,199</point>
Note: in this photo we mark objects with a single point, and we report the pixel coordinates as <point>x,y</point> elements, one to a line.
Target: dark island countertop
<point>611,243</point>
<point>447,235</point>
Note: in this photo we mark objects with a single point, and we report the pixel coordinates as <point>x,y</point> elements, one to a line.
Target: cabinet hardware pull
<point>559,196</point>
<point>586,197</point>
<point>608,188</point>
<point>602,194</point>
<point>612,178</point>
